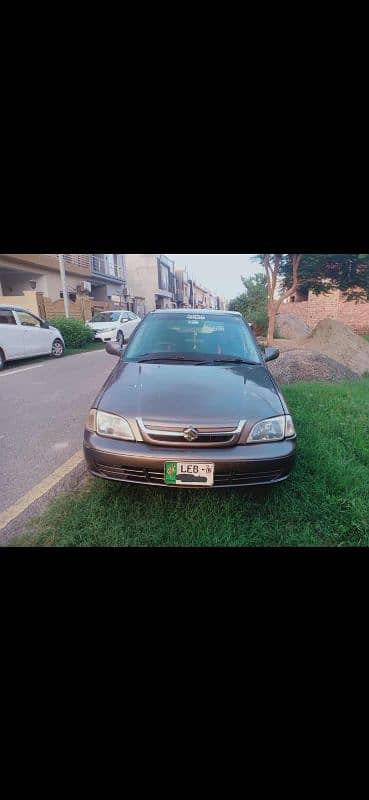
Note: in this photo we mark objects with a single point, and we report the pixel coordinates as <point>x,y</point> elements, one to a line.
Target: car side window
<point>132,316</point>
<point>124,318</point>
<point>28,320</point>
<point>7,317</point>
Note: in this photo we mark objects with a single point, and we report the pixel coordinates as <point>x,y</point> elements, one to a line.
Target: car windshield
<point>192,337</point>
<point>108,316</point>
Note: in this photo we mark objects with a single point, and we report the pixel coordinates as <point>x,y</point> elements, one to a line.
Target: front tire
<point>57,350</point>
<point>2,360</point>
<point>120,338</point>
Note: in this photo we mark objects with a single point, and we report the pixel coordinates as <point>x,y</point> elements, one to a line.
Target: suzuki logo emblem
<point>191,434</point>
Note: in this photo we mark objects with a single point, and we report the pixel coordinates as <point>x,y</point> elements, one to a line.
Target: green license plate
<point>188,473</point>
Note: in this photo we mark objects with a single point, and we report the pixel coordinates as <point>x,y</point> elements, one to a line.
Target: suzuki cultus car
<point>191,403</point>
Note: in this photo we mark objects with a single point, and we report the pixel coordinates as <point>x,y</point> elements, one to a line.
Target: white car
<point>23,335</point>
<point>114,325</point>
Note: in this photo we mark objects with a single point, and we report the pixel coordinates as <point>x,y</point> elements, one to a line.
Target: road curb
<point>66,483</point>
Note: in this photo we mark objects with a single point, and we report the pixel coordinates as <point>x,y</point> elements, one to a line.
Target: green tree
<point>319,272</point>
<point>253,302</point>
<point>322,272</point>
<point>275,266</point>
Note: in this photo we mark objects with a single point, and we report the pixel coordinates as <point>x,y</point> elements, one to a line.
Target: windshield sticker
<point>195,316</point>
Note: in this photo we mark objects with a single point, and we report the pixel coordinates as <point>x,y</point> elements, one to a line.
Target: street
<point>43,407</point>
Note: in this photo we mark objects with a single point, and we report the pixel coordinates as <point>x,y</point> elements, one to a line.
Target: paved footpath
<point>43,408</point>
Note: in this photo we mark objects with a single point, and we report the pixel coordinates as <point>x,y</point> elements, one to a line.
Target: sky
<point>219,272</point>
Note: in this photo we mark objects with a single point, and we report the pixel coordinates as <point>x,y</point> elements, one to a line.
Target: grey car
<point>191,403</point>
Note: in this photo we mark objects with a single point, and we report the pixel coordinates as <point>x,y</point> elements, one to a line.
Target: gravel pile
<point>295,366</point>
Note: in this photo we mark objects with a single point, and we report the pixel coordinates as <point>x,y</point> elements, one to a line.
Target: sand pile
<point>340,343</point>
<point>335,340</point>
<point>291,327</point>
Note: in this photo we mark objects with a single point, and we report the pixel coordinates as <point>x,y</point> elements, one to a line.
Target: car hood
<point>190,394</point>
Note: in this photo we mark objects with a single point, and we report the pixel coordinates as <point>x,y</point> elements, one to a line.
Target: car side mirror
<point>271,353</point>
<point>45,324</point>
<point>114,349</point>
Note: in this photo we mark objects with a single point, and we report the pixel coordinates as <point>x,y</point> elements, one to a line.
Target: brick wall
<point>333,306</point>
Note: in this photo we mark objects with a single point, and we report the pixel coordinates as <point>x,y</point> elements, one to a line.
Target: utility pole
<point>63,283</point>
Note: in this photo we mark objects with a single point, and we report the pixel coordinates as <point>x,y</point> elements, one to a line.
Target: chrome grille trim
<point>171,434</point>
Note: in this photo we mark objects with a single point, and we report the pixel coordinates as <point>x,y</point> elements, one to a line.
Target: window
<point>195,334</point>
<point>6,317</point>
<point>106,316</point>
<point>131,315</point>
<point>28,319</point>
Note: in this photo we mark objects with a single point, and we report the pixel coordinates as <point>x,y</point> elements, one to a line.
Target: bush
<point>74,331</point>
<point>253,303</point>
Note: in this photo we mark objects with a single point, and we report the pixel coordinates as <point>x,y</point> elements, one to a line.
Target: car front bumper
<point>137,462</point>
<point>105,337</point>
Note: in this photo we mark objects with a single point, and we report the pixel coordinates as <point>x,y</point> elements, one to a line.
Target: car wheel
<point>120,338</point>
<point>2,359</point>
<point>57,350</point>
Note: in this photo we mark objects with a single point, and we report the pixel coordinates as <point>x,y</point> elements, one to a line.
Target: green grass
<point>324,503</point>
<point>72,351</point>
<point>366,337</point>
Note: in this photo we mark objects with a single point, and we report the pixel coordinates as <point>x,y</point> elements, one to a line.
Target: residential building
<point>183,288</point>
<point>151,276</point>
<point>99,275</point>
<point>199,297</point>
<point>39,272</point>
<point>108,278</point>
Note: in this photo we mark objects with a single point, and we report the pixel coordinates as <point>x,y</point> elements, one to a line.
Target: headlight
<point>290,428</point>
<point>109,425</point>
<point>272,430</point>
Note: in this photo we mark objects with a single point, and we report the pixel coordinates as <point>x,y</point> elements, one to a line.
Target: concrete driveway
<point>43,407</point>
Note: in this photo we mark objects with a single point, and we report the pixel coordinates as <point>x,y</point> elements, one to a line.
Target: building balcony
<point>78,264</point>
<point>110,267</point>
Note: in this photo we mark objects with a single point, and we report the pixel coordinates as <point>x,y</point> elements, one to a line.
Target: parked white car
<point>114,325</point>
<point>23,335</point>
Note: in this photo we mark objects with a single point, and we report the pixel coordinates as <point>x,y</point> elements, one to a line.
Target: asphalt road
<point>43,408</point>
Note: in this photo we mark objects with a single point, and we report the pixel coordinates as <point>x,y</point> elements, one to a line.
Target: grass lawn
<point>366,337</point>
<point>72,351</point>
<point>324,503</point>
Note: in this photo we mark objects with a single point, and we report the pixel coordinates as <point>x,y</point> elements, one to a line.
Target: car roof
<point>194,311</point>
<point>8,307</point>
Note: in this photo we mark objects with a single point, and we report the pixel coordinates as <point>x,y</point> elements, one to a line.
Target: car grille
<point>135,475</point>
<point>172,434</point>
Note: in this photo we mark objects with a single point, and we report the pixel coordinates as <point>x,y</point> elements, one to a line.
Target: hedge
<point>74,331</point>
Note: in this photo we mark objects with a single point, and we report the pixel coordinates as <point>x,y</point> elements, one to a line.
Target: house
<point>108,279</point>
<point>151,276</point>
<point>40,272</point>
<point>98,275</point>
<point>183,288</point>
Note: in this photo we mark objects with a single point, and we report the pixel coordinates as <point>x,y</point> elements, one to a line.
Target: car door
<point>11,335</point>
<point>37,340</point>
<point>133,321</point>
<point>124,325</point>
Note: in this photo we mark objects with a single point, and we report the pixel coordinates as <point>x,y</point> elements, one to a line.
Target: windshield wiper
<point>165,357</point>
<point>230,360</point>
